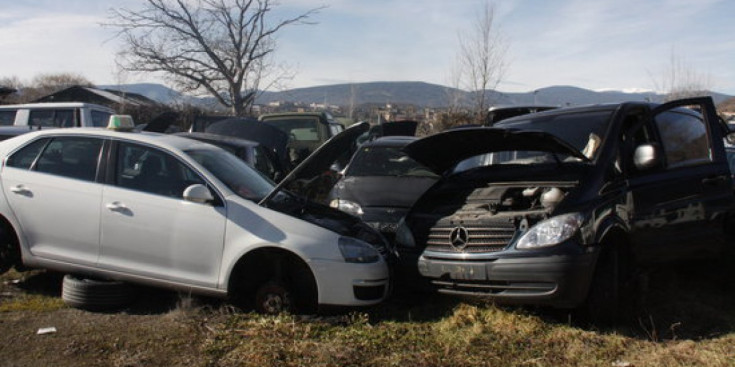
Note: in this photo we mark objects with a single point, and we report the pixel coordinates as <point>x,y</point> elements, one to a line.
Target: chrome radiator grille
<point>471,238</point>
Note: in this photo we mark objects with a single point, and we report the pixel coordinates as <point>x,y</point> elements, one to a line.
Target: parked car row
<point>553,208</point>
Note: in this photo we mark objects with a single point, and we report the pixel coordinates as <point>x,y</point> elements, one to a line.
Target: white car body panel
<point>100,229</point>
<point>48,209</point>
<point>161,237</point>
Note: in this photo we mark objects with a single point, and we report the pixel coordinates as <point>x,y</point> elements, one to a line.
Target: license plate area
<point>464,271</point>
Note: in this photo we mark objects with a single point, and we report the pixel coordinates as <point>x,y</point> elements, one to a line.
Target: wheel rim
<point>274,303</point>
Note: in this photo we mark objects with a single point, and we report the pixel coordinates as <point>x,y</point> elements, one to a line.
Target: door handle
<point>116,206</point>
<point>21,190</point>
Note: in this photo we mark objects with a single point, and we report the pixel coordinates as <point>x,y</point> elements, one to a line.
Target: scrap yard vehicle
<point>307,130</point>
<point>167,211</point>
<point>55,114</point>
<point>560,207</point>
<point>381,183</point>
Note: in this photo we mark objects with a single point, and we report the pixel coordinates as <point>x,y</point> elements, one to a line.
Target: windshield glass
<point>299,129</point>
<point>583,130</point>
<point>233,172</point>
<point>385,161</point>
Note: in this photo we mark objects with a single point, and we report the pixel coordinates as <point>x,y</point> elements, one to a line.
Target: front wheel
<point>610,299</point>
<point>273,298</point>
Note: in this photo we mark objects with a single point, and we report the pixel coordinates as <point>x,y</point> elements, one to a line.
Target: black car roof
<point>393,141</point>
<point>575,109</point>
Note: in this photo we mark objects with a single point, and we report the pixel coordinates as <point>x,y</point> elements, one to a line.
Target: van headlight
<point>347,206</point>
<point>404,236</point>
<point>356,251</point>
<point>551,231</point>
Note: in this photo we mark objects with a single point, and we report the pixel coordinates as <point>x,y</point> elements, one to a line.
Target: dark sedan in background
<point>381,183</point>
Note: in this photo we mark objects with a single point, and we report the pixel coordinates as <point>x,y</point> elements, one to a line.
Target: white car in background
<point>172,212</point>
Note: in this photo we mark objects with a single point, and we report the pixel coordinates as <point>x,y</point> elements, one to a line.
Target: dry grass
<point>688,319</point>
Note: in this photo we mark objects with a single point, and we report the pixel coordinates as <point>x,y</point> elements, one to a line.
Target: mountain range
<point>414,93</point>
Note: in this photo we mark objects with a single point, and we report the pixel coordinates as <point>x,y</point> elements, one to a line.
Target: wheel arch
<point>265,264</point>
<point>8,229</point>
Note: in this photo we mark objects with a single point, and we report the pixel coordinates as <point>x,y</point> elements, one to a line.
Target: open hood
<point>443,151</point>
<point>320,161</point>
<point>251,129</point>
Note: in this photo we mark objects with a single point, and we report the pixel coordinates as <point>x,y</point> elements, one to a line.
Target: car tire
<point>9,252</point>
<point>273,298</point>
<point>610,299</point>
<point>95,295</point>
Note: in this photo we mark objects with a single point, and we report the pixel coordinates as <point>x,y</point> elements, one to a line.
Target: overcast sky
<point>593,44</point>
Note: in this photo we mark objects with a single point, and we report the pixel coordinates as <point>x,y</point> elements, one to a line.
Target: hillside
<point>415,93</point>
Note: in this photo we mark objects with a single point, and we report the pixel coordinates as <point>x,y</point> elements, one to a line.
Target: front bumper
<point>349,284</point>
<point>559,280</point>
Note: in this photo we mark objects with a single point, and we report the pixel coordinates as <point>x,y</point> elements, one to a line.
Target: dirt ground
<point>689,301</point>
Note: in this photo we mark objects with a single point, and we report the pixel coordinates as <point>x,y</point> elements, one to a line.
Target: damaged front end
<point>332,219</point>
<point>484,219</point>
<point>299,194</point>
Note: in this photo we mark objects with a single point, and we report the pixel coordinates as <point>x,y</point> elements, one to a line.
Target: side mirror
<point>645,157</point>
<point>198,193</point>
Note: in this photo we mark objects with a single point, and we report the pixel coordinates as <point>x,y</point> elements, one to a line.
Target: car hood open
<point>321,159</point>
<point>443,151</point>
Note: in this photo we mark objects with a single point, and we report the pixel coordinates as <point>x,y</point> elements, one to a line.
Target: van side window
<point>53,118</point>
<point>684,138</point>
<point>7,118</point>
<point>100,118</point>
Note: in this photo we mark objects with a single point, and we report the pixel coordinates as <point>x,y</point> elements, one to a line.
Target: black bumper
<point>554,280</point>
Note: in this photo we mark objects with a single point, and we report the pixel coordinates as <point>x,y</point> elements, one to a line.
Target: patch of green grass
<point>15,297</point>
<point>32,302</point>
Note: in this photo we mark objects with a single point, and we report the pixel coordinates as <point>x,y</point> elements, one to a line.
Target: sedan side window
<point>25,157</point>
<point>73,157</point>
<point>684,137</point>
<point>153,171</point>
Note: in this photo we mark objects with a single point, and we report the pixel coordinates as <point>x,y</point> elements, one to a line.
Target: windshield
<point>299,129</point>
<point>582,130</point>
<point>233,172</point>
<point>385,161</point>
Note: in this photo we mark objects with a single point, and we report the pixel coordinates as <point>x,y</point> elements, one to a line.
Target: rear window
<point>7,118</point>
<point>385,161</point>
<point>299,129</point>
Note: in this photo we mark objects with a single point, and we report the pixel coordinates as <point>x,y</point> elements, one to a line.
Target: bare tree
<point>482,58</point>
<point>223,47</point>
<point>680,80</point>
<point>455,94</point>
<point>42,85</point>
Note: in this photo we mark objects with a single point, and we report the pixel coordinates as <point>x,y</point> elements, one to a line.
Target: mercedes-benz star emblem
<point>459,238</point>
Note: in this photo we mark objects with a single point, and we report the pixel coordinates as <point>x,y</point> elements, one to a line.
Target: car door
<point>51,186</point>
<point>679,207</point>
<point>148,229</point>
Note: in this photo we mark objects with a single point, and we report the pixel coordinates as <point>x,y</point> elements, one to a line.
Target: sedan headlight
<point>551,231</point>
<point>356,251</point>
<point>347,206</point>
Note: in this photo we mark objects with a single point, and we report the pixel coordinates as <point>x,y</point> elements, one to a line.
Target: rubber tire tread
<point>95,295</point>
